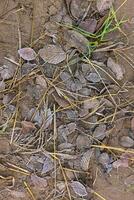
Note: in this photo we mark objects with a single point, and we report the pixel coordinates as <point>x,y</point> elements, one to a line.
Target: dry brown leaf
<point>41,81</point>
<point>39,182</point>
<point>117,69</point>
<point>60,100</point>
<point>17,194</point>
<point>78,188</point>
<point>52,54</point>
<point>103,5</point>
<point>132,124</point>
<point>76,40</point>
<point>89,25</point>
<point>91,104</point>
<point>27,53</point>
<point>27,127</point>
<point>85,160</point>
<point>48,165</point>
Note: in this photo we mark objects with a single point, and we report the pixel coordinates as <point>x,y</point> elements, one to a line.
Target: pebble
<point>126,141</point>
<point>4,146</point>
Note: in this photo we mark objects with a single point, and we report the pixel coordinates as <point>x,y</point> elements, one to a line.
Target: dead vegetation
<point>66,108</point>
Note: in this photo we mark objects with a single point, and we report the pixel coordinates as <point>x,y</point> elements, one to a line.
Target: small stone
<point>100,132</point>
<point>126,141</point>
<point>93,77</point>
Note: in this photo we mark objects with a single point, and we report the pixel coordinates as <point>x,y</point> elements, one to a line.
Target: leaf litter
<point>61,102</point>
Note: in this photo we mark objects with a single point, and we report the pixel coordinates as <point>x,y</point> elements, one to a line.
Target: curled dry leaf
<point>76,40</point>
<point>85,160</point>
<point>27,126</point>
<point>52,54</point>
<point>78,188</point>
<point>39,182</point>
<point>103,5</point>
<point>27,53</point>
<point>41,81</point>
<point>117,69</point>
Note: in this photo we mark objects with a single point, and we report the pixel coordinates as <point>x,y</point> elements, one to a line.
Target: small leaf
<point>27,126</point>
<point>103,5</point>
<point>116,69</point>
<point>78,188</point>
<point>52,54</point>
<point>27,53</point>
<point>48,165</point>
<point>39,182</point>
<point>86,160</point>
<point>41,81</point>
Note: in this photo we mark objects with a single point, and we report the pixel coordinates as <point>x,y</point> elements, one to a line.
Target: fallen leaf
<point>117,69</point>
<point>60,100</point>
<point>91,103</point>
<point>100,132</point>
<point>103,5</point>
<point>5,147</point>
<point>48,165</point>
<point>85,160</point>
<point>2,85</point>
<point>78,8</point>
<point>89,25</point>
<point>18,194</point>
<point>52,54</point>
<point>121,163</point>
<point>76,40</point>
<point>41,81</point>
<point>39,183</point>
<point>83,142</point>
<point>27,53</point>
<point>78,188</point>
<point>27,127</point>
<point>132,124</point>
<point>126,141</point>
<point>7,71</point>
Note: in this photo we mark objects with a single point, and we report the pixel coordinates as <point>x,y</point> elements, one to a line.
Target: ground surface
<point>55,109</point>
